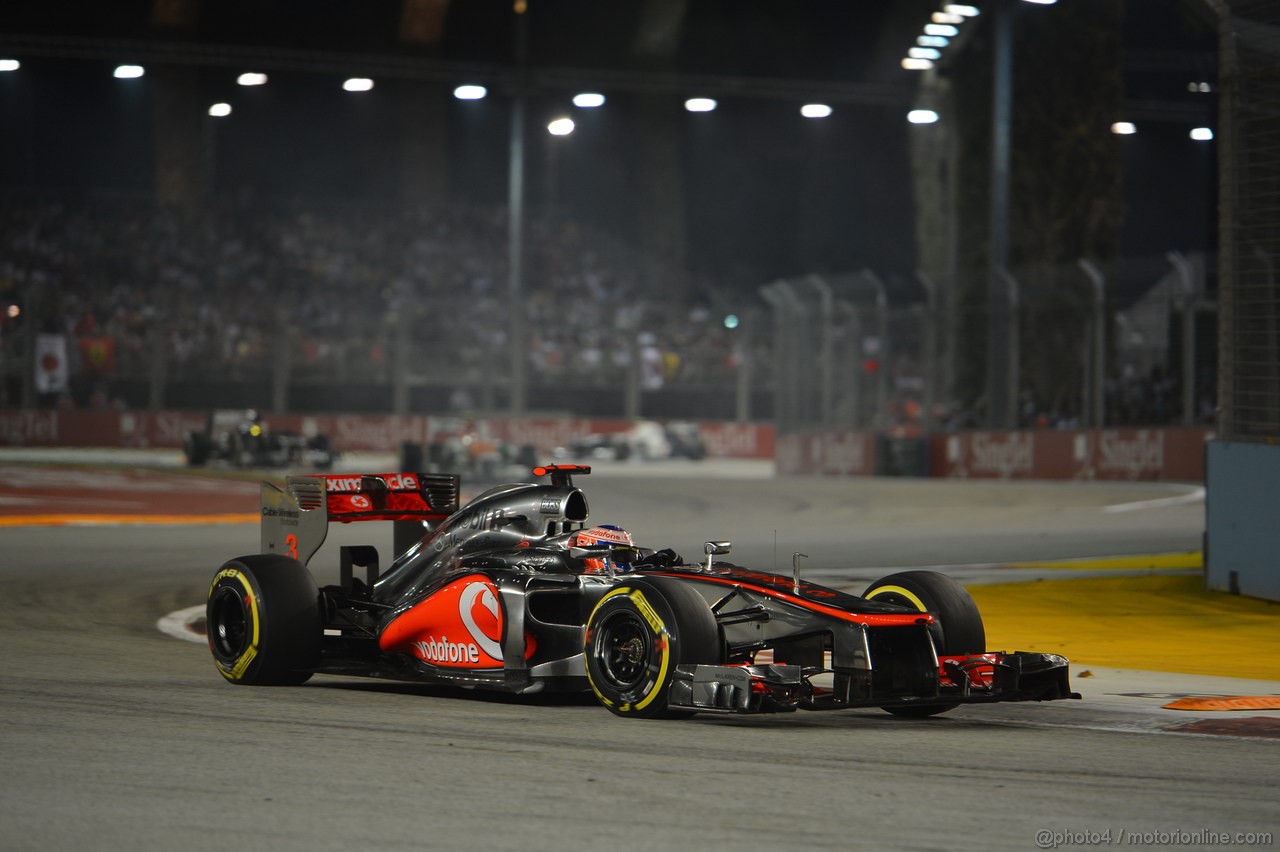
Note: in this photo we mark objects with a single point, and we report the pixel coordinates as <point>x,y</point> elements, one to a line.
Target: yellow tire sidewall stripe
<point>237,670</point>
<point>898,590</point>
<point>650,615</point>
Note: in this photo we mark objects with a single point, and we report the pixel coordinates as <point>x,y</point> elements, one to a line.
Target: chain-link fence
<point>1249,362</point>
<point>1089,346</point>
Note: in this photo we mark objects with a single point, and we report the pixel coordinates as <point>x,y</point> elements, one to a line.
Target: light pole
<point>1001,372</point>
<point>1013,344</point>
<point>515,219</point>
<point>999,368</point>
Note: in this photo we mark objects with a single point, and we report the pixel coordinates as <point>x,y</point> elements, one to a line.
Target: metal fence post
<point>1098,374</point>
<point>1187,305</point>
<point>796,384</point>
<point>400,367</point>
<point>826,367</point>
<point>633,388</point>
<point>281,364</point>
<point>771,295</point>
<point>158,369</point>
<point>32,322</point>
<point>746,367</point>
<point>1271,346</point>
<point>882,330</point>
<point>854,336</point>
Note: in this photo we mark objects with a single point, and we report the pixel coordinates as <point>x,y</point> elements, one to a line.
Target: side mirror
<point>716,548</point>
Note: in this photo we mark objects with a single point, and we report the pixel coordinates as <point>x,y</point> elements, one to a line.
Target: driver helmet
<point>602,534</point>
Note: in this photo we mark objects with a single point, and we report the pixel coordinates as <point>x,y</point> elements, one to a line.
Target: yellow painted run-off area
<point>1146,562</point>
<point>1154,622</point>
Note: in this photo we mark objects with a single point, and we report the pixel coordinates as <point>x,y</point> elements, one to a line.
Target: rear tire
<point>263,621</point>
<point>636,636</point>
<point>958,627</point>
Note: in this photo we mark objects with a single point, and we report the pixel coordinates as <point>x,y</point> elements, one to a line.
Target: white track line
<point>1195,495</point>
<point>178,624</point>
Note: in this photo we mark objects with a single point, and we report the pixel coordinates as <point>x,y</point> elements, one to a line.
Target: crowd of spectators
<point>229,291</point>
<point>333,293</point>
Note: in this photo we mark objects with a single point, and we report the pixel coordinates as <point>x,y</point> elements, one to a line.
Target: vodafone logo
<point>478,607</point>
<point>460,625</point>
<point>441,650</point>
<point>359,501</point>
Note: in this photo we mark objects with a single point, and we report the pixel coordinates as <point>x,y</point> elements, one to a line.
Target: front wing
<point>960,679</point>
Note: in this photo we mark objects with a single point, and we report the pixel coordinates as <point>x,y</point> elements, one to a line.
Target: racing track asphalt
<point>116,736</point>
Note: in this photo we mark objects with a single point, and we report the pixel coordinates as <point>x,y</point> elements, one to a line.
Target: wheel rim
<point>228,623</point>
<point>624,643</point>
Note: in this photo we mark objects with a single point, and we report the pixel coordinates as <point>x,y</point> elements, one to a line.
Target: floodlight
<point>560,127</point>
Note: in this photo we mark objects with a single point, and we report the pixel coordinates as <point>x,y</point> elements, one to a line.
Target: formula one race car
<point>515,592</point>
<point>644,441</point>
<point>243,439</point>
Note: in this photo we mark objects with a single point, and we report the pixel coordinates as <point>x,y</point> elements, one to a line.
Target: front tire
<point>263,621</point>
<point>197,448</point>
<point>636,636</point>
<point>958,627</point>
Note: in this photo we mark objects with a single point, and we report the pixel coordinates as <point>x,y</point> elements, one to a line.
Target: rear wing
<point>295,519</point>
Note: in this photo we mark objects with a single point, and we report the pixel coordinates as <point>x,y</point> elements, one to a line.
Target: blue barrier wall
<point>1242,552</point>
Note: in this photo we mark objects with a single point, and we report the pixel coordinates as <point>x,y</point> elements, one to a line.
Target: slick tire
<point>263,621</point>
<point>197,448</point>
<point>958,629</point>
<point>636,636</point>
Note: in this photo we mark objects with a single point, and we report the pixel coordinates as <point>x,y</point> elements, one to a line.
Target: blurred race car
<point>515,591</point>
<point>645,440</point>
<point>243,439</point>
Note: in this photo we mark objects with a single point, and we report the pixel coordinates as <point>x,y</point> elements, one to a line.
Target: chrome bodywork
<point>786,644</point>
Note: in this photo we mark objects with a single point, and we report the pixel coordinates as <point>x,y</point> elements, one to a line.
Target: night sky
<point>767,193</point>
